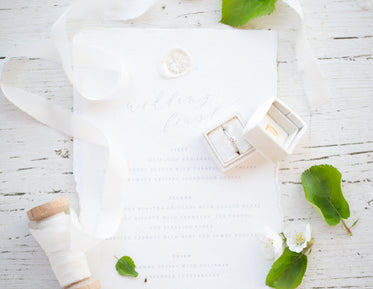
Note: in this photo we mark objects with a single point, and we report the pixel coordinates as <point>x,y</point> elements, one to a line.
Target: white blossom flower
<point>272,243</point>
<point>297,236</point>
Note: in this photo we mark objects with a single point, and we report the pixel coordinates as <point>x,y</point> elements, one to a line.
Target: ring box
<point>227,143</point>
<point>274,129</point>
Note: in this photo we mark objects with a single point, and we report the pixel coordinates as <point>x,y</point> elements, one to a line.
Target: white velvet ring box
<point>274,129</point>
<point>227,143</point>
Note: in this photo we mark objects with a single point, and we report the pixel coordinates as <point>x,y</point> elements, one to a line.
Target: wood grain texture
<point>36,165</point>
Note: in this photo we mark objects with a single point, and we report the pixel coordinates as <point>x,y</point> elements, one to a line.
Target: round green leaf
<point>288,270</point>
<point>322,187</point>
<point>126,267</point>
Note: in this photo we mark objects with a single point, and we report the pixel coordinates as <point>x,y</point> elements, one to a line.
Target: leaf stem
<point>347,228</point>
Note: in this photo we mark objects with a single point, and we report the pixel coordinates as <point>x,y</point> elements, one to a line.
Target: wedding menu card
<point>186,224</point>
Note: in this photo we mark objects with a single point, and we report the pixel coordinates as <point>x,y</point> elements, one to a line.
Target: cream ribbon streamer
<point>62,237</point>
<point>81,63</point>
<point>316,87</point>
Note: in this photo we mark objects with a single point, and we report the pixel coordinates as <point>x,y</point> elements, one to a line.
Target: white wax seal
<point>176,63</point>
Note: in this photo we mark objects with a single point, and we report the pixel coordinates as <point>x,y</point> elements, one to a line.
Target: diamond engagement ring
<point>231,139</point>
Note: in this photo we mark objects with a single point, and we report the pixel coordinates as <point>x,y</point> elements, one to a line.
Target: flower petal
<point>272,243</point>
<point>298,234</point>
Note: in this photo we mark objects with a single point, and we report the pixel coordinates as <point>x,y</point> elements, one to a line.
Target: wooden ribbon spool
<point>50,209</point>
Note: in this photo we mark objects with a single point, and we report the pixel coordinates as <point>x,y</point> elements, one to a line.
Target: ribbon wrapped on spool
<point>50,224</point>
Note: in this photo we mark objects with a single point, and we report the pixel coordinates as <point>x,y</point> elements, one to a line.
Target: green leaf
<point>288,270</point>
<point>126,267</point>
<point>238,12</point>
<point>322,187</point>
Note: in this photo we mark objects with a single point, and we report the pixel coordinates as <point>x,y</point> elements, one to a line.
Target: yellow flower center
<point>268,242</point>
<point>299,238</point>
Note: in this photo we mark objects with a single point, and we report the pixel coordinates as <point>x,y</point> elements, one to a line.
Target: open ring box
<point>274,129</point>
<point>227,144</point>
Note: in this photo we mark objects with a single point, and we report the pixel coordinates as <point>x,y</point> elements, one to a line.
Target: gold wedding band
<point>271,130</point>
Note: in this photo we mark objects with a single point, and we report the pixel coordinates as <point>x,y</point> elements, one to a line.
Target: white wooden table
<point>36,164</point>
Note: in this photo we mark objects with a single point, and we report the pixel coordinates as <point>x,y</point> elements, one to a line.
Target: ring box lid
<point>274,129</point>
